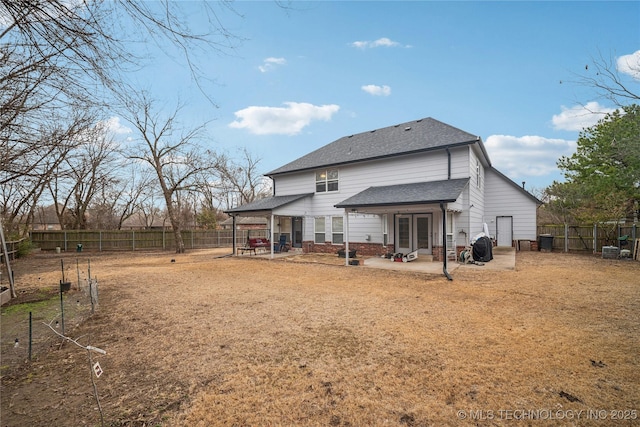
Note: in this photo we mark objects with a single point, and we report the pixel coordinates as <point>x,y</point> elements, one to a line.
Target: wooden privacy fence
<point>12,249</point>
<point>589,238</point>
<point>131,240</point>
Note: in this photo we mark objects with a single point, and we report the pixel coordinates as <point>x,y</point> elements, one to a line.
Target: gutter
<point>444,241</point>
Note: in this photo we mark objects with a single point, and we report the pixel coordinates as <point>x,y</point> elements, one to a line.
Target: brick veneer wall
<point>376,249</point>
<point>362,249</point>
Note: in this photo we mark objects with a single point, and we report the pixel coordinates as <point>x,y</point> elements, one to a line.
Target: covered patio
<point>503,259</point>
<point>408,203</point>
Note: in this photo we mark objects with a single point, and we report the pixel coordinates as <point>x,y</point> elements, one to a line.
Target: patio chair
<point>282,244</point>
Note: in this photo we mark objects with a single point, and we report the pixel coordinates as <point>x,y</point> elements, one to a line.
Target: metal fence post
<point>566,237</point>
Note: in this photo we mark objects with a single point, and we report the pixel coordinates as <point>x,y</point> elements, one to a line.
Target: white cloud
<point>579,117</point>
<point>527,156</point>
<point>270,63</point>
<point>114,126</point>
<point>381,42</point>
<point>288,120</point>
<point>630,64</point>
<point>377,90</point>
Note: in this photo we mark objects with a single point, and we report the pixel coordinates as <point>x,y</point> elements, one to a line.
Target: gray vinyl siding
<point>476,207</point>
<point>503,199</point>
<point>361,225</point>
<point>360,176</point>
<point>295,183</point>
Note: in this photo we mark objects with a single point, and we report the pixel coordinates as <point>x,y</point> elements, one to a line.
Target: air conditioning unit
<point>610,252</point>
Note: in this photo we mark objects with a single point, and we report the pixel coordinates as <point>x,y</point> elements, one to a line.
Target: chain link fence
<point>27,321</point>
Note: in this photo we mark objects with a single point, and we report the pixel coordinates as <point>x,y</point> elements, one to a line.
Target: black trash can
<point>545,242</point>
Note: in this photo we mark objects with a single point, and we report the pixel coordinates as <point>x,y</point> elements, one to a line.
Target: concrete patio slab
<point>503,259</point>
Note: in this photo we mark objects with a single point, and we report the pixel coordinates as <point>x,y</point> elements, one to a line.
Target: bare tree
<point>30,164</point>
<point>613,79</point>
<point>240,180</point>
<point>58,57</point>
<point>122,198</point>
<point>149,213</point>
<point>91,172</point>
<point>172,154</point>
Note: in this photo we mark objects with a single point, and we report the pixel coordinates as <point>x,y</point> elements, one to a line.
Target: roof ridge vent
<point>373,131</point>
<point>407,128</point>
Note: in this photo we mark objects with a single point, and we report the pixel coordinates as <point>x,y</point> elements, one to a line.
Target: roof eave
<point>373,205</point>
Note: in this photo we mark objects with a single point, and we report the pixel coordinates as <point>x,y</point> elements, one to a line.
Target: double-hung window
<point>326,180</point>
<point>385,230</point>
<point>319,230</point>
<point>337,230</point>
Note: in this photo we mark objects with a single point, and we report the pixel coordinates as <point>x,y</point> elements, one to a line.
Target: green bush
<point>24,248</point>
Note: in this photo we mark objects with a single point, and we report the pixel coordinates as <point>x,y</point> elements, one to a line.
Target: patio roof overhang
<point>405,195</point>
<point>265,206</point>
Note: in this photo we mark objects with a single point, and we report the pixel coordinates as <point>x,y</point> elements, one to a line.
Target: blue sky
<point>309,74</point>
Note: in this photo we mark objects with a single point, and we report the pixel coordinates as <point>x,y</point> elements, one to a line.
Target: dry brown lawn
<point>207,341</point>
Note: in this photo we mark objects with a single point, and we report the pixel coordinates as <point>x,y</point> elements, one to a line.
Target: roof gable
<point>410,137</point>
<point>516,186</point>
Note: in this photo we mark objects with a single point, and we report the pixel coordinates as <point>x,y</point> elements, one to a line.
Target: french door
<point>414,232</point>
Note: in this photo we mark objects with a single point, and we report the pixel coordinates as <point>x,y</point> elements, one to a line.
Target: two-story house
<point>419,185</point>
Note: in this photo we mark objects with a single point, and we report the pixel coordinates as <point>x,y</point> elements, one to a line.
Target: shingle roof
<point>251,220</point>
<point>268,203</point>
<point>407,194</point>
<point>410,137</point>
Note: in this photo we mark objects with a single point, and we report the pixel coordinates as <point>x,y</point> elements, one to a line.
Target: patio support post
<point>444,241</point>
<point>346,239</point>
<point>272,236</point>
<point>233,235</point>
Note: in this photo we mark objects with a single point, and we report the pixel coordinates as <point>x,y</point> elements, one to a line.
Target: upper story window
<point>478,174</point>
<point>327,180</point>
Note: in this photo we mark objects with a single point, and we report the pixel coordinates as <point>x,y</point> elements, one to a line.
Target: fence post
<point>133,240</point>
<point>30,334</point>
<point>65,241</point>
<point>566,237</point>
<point>99,242</point>
<point>595,237</point>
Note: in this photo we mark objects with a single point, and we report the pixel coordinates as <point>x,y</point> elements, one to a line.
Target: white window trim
<point>326,181</point>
